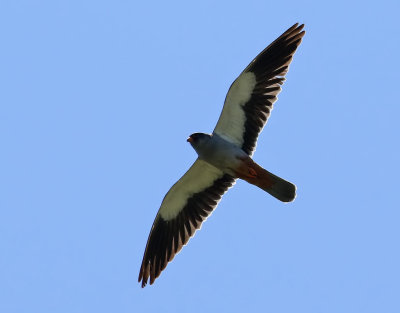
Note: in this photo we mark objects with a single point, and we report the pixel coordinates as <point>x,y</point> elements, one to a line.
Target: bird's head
<point>197,139</point>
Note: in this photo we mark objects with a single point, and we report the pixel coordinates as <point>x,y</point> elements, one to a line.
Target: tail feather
<point>277,187</point>
<point>280,188</point>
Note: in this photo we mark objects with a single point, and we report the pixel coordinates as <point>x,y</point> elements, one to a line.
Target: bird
<point>224,156</point>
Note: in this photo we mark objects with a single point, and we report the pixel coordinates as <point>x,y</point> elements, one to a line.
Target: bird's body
<point>232,160</point>
<point>218,152</point>
<point>224,156</point>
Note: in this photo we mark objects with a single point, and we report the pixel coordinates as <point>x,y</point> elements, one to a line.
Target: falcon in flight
<point>224,156</point>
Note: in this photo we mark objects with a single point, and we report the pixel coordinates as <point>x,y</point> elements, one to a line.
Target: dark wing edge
<point>167,237</point>
<point>270,68</point>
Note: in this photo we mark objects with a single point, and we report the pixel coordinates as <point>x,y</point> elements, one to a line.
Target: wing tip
<point>296,26</point>
<point>293,34</point>
<point>167,237</point>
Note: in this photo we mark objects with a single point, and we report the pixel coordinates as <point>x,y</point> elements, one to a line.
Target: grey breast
<point>221,153</point>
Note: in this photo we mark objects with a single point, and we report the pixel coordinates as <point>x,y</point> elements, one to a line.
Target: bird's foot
<point>252,172</point>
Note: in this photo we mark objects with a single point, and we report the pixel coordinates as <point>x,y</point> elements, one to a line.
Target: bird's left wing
<point>186,205</point>
<point>251,96</point>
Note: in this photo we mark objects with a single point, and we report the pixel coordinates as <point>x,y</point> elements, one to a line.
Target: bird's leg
<point>246,168</point>
<point>252,172</point>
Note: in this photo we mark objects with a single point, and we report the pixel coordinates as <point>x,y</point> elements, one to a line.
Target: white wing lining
<point>200,176</point>
<point>230,125</point>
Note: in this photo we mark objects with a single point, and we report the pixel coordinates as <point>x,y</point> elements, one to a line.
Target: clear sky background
<point>97,99</point>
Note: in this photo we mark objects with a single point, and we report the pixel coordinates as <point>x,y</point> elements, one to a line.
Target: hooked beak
<point>190,139</point>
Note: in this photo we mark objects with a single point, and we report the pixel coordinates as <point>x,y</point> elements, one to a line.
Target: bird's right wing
<point>184,208</point>
<point>249,101</point>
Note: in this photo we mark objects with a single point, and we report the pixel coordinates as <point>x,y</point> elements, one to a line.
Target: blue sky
<point>97,100</point>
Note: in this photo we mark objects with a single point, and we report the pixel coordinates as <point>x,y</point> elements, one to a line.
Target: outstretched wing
<point>251,96</point>
<point>184,208</point>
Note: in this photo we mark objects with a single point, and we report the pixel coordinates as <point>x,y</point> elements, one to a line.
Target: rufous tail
<point>274,185</point>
